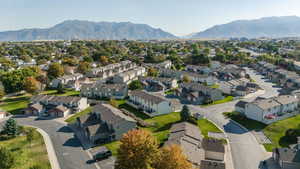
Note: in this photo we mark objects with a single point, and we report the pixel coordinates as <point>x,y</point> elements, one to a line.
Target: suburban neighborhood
<point>117,93</point>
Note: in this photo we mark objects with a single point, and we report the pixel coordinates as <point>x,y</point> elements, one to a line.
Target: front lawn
<point>244,121</point>
<point>225,100</point>
<point>207,126</point>
<point>133,110</point>
<point>67,92</point>
<point>27,154</point>
<point>73,118</point>
<point>15,105</point>
<point>276,132</point>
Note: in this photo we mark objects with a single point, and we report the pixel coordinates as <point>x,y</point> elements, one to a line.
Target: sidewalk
<point>49,146</point>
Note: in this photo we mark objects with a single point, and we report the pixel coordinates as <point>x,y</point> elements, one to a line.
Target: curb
<point>229,147</point>
<point>50,149</point>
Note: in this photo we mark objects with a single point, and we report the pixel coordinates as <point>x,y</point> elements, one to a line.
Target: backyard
<point>225,100</point>
<point>14,105</point>
<point>28,154</point>
<point>276,132</point>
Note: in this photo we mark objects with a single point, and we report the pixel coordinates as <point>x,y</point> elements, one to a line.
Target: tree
<point>186,79</point>
<point>84,67</point>
<point>152,72</point>
<point>138,150</point>
<point>135,85</point>
<point>103,60</point>
<point>2,90</point>
<point>60,88</point>
<point>30,135</point>
<point>11,128</point>
<point>185,113</point>
<point>7,160</point>
<point>172,157</point>
<point>31,85</point>
<point>55,70</point>
<point>35,167</point>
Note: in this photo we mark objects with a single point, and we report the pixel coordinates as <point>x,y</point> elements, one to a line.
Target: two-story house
<point>100,90</point>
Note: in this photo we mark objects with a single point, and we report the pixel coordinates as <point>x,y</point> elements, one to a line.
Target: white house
<point>151,105</point>
<point>127,77</point>
<point>272,109</point>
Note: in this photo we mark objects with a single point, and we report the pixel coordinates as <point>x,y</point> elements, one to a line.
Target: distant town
<point>150,104</point>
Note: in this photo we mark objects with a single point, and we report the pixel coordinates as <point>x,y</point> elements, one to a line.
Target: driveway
<point>68,149</point>
<point>247,153</point>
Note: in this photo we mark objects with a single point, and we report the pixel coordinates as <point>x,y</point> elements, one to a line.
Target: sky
<point>180,17</point>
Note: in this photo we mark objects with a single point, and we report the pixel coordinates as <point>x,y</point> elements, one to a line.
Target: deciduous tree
<point>31,85</point>
<point>135,85</point>
<point>138,150</point>
<point>55,70</point>
<point>172,157</point>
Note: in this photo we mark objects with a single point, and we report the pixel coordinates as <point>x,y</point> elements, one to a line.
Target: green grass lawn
<point>67,92</point>
<point>214,86</point>
<point>207,126</point>
<point>247,123</point>
<point>276,132</point>
<point>72,118</point>
<point>161,127</point>
<point>133,110</point>
<point>226,99</point>
<point>15,105</point>
<point>28,155</point>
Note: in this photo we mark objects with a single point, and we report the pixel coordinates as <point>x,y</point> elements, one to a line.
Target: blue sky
<point>179,17</point>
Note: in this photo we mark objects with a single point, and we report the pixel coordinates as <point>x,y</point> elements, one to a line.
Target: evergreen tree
<point>185,113</point>
<point>11,127</point>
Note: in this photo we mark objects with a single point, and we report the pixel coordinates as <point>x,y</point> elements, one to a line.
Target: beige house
<point>150,104</point>
<point>127,77</point>
<point>272,109</point>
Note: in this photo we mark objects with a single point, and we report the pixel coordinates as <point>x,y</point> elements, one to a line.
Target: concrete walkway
<point>49,146</point>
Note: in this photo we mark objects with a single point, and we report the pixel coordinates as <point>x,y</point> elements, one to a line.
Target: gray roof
<point>196,87</point>
<point>266,103</point>
<point>148,97</point>
<point>241,104</point>
<point>207,164</point>
<point>36,106</point>
<point>211,144</point>
<point>189,137</point>
<point>286,99</point>
<point>52,98</point>
<point>111,114</point>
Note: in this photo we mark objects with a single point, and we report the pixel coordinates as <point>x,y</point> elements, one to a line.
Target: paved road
<point>247,153</point>
<point>67,148</point>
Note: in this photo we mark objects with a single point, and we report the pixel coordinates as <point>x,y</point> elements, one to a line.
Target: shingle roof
<point>241,104</point>
<point>211,144</point>
<point>286,99</point>
<point>289,155</point>
<point>207,164</point>
<point>146,96</point>
<point>111,114</point>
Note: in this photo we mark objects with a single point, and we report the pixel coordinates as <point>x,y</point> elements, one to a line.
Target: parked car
<point>101,153</point>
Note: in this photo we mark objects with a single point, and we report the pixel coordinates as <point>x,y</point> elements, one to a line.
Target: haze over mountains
<point>76,29</point>
<point>275,27</point>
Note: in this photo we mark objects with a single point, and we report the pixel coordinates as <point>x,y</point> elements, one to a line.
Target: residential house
<point>127,77</point>
<point>105,124</point>
<point>189,138</point>
<point>55,106</point>
<point>287,158</point>
<point>158,83</point>
<point>3,114</point>
<point>101,90</point>
<point>198,69</point>
<point>272,109</point>
<point>111,69</point>
<point>151,105</point>
<point>163,65</point>
<point>214,149</point>
<point>196,93</point>
<point>240,107</point>
<point>65,79</point>
<point>208,164</point>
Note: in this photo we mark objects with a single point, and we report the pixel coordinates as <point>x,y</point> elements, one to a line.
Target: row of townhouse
<point>158,83</point>
<point>287,79</point>
<point>151,105</point>
<point>194,77</point>
<point>111,69</point>
<point>214,65</point>
<point>128,76</point>
<point>104,124</point>
<point>203,153</point>
<point>55,106</point>
<point>271,109</point>
<point>195,93</point>
<point>64,80</point>
<point>101,90</point>
<point>163,65</point>
<point>238,87</point>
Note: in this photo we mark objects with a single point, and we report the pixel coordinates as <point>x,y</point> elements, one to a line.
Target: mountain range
<point>274,27</point>
<point>77,29</point>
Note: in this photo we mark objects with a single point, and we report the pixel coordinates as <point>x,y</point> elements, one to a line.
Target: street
<point>247,153</point>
